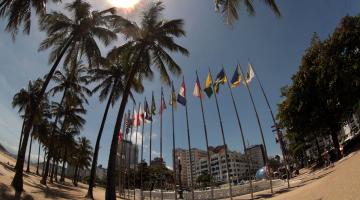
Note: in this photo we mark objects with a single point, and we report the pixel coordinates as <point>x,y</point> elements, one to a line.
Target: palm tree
<point>148,44</point>
<point>72,83</point>
<point>75,37</point>
<point>112,77</point>
<point>82,157</point>
<point>18,12</point>
<point>42,115</point>
<point>230,8</point>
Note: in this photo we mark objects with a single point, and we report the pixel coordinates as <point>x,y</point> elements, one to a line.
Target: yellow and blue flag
<point>236,78</point>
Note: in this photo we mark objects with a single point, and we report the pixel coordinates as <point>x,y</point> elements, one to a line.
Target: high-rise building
<point>257,154</point>
<point>238,164</point>
<point>132,153</point>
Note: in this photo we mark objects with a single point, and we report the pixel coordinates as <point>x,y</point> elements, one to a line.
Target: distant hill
<point>2,148</point>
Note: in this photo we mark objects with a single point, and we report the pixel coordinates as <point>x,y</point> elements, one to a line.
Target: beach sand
<point>341,182</point>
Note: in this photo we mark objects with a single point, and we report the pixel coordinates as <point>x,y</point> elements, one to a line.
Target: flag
<point>197,89</point>
<point>153,106</point>
<point>236,79</point>
<point>250,74</point>
<point>162,103</point>
<point>173,97</point>
<point>120,137</point>
<point>128,123</point>
<point>136,121</point>
<point>220,79</point>
<point>181,96</point>
<point>141,114</point>
<point>148,115</point>
<point>208,89</point>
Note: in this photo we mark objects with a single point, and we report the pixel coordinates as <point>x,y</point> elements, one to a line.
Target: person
<point>327,159</point>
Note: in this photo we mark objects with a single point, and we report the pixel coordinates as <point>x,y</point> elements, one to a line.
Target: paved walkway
<point>341,182</point>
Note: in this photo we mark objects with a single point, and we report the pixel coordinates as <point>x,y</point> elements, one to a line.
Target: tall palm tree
<point>149,44</point>
<point>72,83</point>
<point>23,100</point>
<point>112,77</point>
<point>82,157</point>
<point>18,12</point>
<point>42,115</point>
<point>230,8</point>
<point>75,37</point>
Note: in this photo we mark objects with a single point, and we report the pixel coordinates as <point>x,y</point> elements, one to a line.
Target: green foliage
<point>204,179</point>
<point>326,89</point>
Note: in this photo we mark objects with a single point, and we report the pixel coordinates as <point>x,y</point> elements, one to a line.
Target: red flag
<point>120,137</point>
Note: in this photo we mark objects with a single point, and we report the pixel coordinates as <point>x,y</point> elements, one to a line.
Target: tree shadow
<point>59,192</point>
<point>7,194</point>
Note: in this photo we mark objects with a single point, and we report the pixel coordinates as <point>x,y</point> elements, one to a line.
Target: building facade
<point>257,154</point>
<point>127,153</point>
<point>239,167</point>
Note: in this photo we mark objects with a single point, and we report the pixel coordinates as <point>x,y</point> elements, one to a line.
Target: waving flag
<point>173,97</point>
<point>136,121</point>
<point>197,89</point>
<point>236,79</point>
<point>220,79</point>
<point>250,74</point>
<point>208,88</point>
<point>162,103</point>
<point>181,96</point>
<point>153,106</point>
<point>120,137</point>
<point>147,111</point>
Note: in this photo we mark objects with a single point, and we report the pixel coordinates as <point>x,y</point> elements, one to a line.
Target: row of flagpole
<point>210,88</point>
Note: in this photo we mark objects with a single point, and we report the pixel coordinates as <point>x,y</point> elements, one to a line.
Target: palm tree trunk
<point>43,167</point>
<point>38,160</point>
<point>110,193</point>
<point>52,170</point>
<point>21,135</point>
<point>28,161</point>
<point>62,179</point>
<point>75,174</point>
<point>46,171</point>
<point>97,147</point>
<point>56,170</point>
<point>45,175</point>
<point>17,181</point>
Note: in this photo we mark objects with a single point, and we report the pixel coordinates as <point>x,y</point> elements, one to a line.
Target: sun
<point>124,3</point>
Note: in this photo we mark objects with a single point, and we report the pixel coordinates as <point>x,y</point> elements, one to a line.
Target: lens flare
<point>124,3</point>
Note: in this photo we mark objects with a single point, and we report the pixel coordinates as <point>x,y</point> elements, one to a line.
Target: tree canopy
<point>326,90</point>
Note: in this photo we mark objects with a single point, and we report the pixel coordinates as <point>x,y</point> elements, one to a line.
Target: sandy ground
<point>35,190</point>
<point>341,182</point>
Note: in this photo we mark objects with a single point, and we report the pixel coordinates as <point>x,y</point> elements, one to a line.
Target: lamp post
<point>180,185</point>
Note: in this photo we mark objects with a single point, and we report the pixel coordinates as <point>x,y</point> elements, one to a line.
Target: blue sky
<point>273,45</point>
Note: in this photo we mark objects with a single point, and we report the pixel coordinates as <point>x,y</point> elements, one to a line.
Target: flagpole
<point>189,144</point>
<point>224,142</point>
<point>121,156</point>
<point>130,144</point>
<point>260,127</point>
<point>280,136</point>
<point>135,147</point>
<point>161,142</point>
<point>242,137</point>
<point>123,145</point>
<point>142,154</point>
<point>173,135</point>
<point>151,123</point>
<point>206,139</point>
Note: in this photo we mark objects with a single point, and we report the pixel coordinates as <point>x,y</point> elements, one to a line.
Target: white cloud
<point>155,153</point>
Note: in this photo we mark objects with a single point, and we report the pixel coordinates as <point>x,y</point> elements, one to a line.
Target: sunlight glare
<point>124,3</point>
